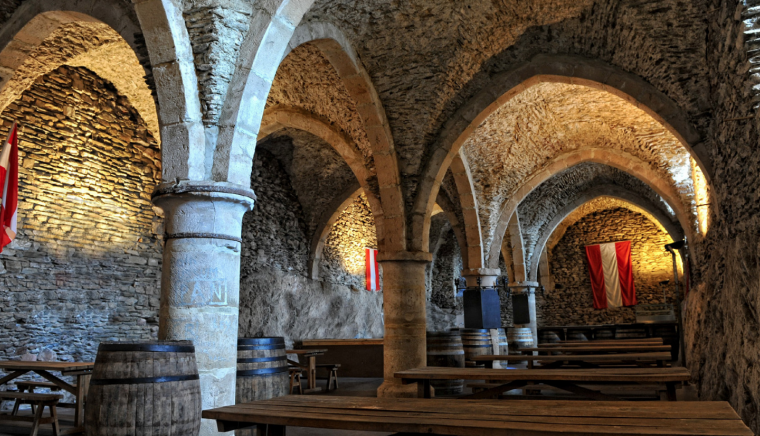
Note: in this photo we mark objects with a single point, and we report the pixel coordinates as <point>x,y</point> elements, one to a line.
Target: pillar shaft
<point>529,288</point>
<point>405,318</point>
<point>200,281</point>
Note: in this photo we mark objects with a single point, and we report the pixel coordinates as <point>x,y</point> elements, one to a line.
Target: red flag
<point>611,274</point>
<point>372,270</point>
<point>9,180</point>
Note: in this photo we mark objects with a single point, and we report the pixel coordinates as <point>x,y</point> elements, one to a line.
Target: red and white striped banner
<point>373,278</point>
<point>9,180</point>
<point>611,274</point>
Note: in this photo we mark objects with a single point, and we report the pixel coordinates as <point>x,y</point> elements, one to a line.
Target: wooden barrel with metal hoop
<point>445,349</point>
<point>475,342</point>
<point>262,369</point>
<point>519,337</point>
<point>144,388</point>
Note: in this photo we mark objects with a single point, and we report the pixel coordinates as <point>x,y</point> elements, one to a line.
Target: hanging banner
<point>373,277</point>
<point>9,180</point>
<point>611,274</point>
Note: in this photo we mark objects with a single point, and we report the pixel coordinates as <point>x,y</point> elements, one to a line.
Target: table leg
<point>270,430</point>
<point>312,372</point>
<point>423,389</point>
<point>671,389</point>
<point>83,381</point>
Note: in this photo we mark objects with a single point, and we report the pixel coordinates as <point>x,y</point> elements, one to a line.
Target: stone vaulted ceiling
<point>539,210</point>
<point>550,119</point>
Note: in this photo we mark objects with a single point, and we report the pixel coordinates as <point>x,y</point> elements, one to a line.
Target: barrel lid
<point>261,341</point>
<point>148,346</point>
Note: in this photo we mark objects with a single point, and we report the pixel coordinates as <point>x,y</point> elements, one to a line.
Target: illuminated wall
<point>85,266</point>
<point>573,305</point>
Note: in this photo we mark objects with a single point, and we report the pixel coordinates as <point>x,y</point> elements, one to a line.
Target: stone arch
<point>278,118</point>
<point>572,69</point>
<point>472,250</point>
<point>601,191</point>
<point>515,260</point>
<point>448,207</point>
<point>326,222</point>
<point>622,161</point>
<point>243,107</point>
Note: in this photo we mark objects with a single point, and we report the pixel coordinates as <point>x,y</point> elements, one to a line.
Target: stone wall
<point>444,309</point>
<point>85,266</point>
<point>276,296</point>
<point>721,314</point>
<point>573,305</point>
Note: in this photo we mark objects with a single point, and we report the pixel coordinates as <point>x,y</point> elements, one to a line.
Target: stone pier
<point>201,279</point>
<point>405,318</point>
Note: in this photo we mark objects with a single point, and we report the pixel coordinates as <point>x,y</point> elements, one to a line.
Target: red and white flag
<point>611,274</point>
<point>9,179</point>
<point>373,278</point>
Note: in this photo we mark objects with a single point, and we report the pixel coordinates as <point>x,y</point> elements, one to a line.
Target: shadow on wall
<point>276,296</point>
<point>85,266</point>
<point>573,305</point>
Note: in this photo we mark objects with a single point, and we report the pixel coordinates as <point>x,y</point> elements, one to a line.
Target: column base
<point>394,389</point>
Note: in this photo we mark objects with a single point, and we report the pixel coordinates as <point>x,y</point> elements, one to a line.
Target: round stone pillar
<point>405,318</point>
<point>200,280</point>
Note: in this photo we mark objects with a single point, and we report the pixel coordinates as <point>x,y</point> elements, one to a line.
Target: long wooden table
<point>82,371</point>
<point>582,360</point>
<point>311,367</point>
<point>565,379</point>
<point>482,417</point>
<point>597,349</point>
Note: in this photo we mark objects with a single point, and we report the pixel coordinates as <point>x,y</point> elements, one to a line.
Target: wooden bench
<point>582,360</point>
<point>565,379</point>
<point>38,400</point>
<point>332,371</point>
<point>637,392</point>
<point>482,418</point>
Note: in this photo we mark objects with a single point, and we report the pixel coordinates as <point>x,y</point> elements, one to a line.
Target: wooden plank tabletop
<point>577,357</point>
<point>489,417</point>
<point>334,342</point>
<point>16,365</point>
<point>599,348</point>
<point>621,375</point>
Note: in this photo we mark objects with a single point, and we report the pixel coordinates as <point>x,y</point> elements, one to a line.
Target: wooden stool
<point>39,400</point>
<point>30,386</point>
<point>295,379</point>
<point>332,377</point>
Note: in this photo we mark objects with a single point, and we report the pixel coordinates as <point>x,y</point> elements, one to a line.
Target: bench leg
<point>36,423</point>
<point>671,392</point>
<point>335,380</point>
<point>299,384</point>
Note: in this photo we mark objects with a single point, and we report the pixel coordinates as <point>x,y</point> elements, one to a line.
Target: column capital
<point>404,256</point>
<point>201,186</point>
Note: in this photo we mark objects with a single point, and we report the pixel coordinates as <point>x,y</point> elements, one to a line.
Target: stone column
<point>530,289</point>
<point>405,318</point>
<point>487,276</point>
<point>200,281</point>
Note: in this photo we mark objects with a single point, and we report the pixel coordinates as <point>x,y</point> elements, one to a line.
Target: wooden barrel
<point>630,332</point>
<point>578,335</point>
<point>518,338</point>
<point>476,342</point>
<point>502,346</point>
<point>262,369</point>
<point>602,333</point>
<point>140,388</point>
<point>445,349</point>
<point>549,337</point>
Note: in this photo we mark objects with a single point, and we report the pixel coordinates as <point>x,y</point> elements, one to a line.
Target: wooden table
<point>311,368</point>
<point>598,349</point>
<point>82,371</point>
<point>357,357</point>
<point>482,417</point>
<point>565,379</point>
<point>582,360</point>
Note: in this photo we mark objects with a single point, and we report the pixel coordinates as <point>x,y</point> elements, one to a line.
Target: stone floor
<point>359,387</point>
